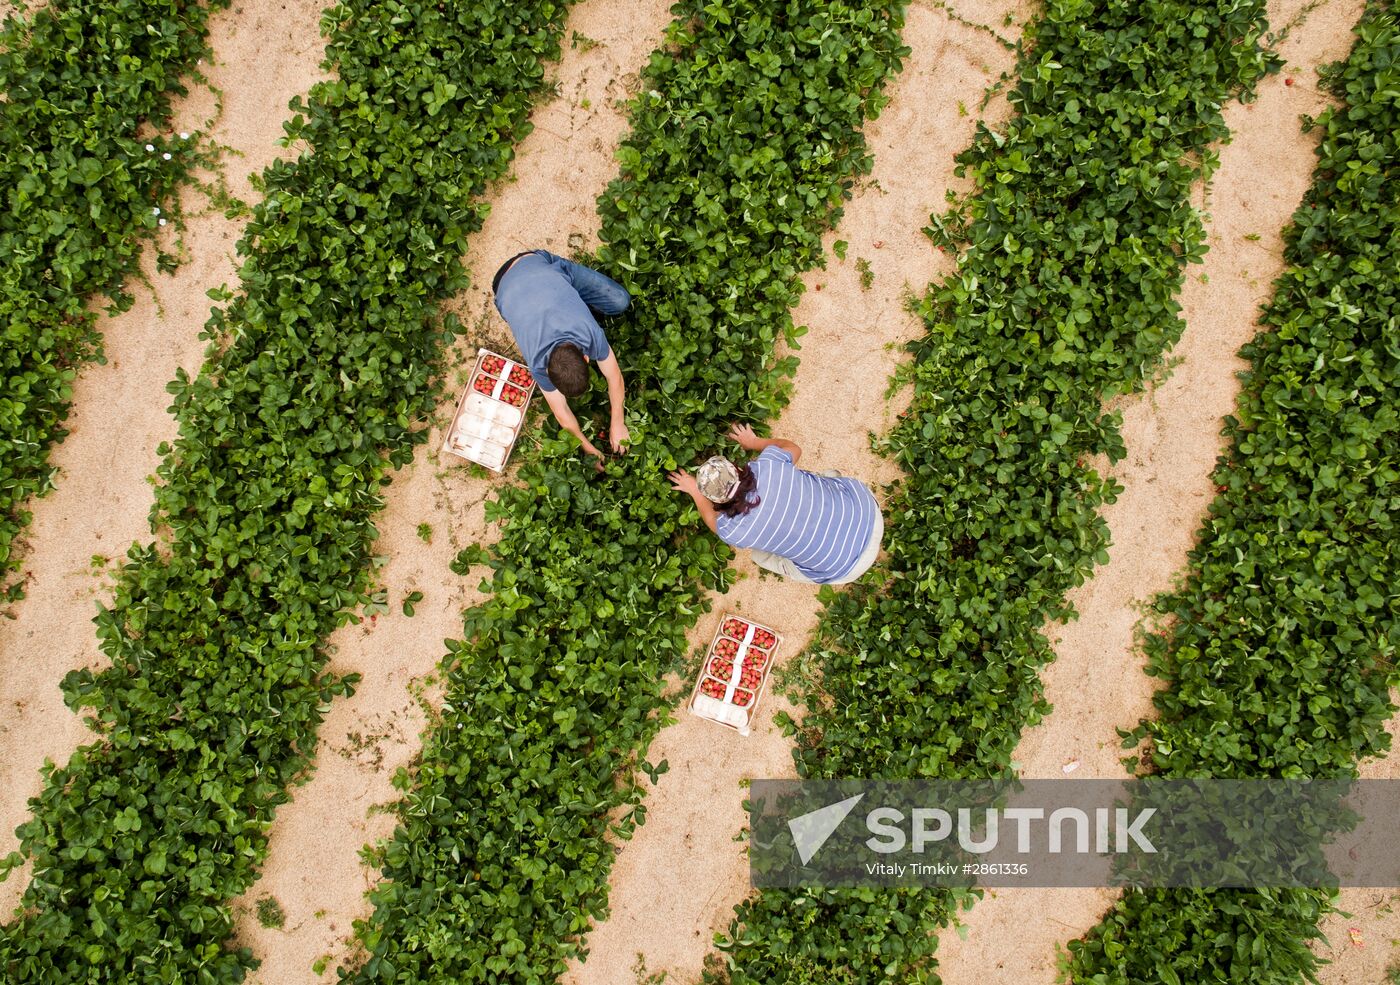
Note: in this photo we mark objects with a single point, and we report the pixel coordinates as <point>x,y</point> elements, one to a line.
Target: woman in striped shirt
<point>821,528</point>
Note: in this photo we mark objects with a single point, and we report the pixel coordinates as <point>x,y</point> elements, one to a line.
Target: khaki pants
<point>779,565</point>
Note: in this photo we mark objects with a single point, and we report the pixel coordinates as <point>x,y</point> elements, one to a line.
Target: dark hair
<point>567,370</point>
<point>739,503</point>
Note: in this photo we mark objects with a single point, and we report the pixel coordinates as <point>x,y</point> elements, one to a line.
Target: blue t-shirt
<point>543,309</point>
<point>820,524</point>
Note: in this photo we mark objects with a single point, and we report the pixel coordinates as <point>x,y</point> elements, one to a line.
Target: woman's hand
<point>683,481</point>
<point>744,436</point>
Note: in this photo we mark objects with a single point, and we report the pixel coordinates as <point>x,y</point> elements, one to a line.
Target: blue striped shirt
<point>820,524</point>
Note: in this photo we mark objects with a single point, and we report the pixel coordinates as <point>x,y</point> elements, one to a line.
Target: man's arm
<point>617,428</point>
<point>744,435</point>
<point>559,404</point>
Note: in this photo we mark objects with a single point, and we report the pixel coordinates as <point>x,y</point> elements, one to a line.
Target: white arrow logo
<point>810,831</point>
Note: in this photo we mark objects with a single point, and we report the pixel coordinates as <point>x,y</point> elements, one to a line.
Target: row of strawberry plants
<point>1278,650</point>
<point>90,170</point>
<point>319,374</point>
<point>746,137</point>
<point>1073,249</point>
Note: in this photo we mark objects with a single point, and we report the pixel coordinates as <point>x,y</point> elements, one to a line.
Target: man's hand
<point>683,481</point>
<point>619,435</point>
<point>591,449</point>
<point>743,434</point>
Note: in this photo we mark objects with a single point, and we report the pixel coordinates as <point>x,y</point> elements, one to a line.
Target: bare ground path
<point>314,869</point>
<point>676,882</point>
<point>119,416</point>
<point>1173,437</point>
<point>1363,933</point>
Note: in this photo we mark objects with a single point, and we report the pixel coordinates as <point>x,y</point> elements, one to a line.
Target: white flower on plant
<point>184,135</point>
<point>162,222</point>
<point>155,211</point>
<point>151,148</point>
<point>166,155</point>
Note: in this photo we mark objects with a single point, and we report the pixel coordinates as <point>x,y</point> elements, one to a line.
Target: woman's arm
<point>744,435</point>
<point>685,482</point>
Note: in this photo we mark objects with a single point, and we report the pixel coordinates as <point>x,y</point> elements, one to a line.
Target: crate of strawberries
<point>735,673</point>
<point>491,411</point>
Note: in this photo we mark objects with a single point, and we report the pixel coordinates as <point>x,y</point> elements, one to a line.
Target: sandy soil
<point>1173,437</point>
<point>314,869</point>
<point>119,413</point>
<point>676,882</point>
<point>1363,957</point>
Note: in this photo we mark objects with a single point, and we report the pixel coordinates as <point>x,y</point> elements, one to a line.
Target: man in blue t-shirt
<point>821,528</point>
<point>546,301</point>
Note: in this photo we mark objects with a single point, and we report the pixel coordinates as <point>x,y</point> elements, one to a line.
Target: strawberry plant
<point>1278,650</point>
<point>1070,257</point>
<point>90,171</point>
<point>745,141</point>
<point>320,372</point>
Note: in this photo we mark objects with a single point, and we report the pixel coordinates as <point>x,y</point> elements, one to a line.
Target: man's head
<point>568,370</point>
